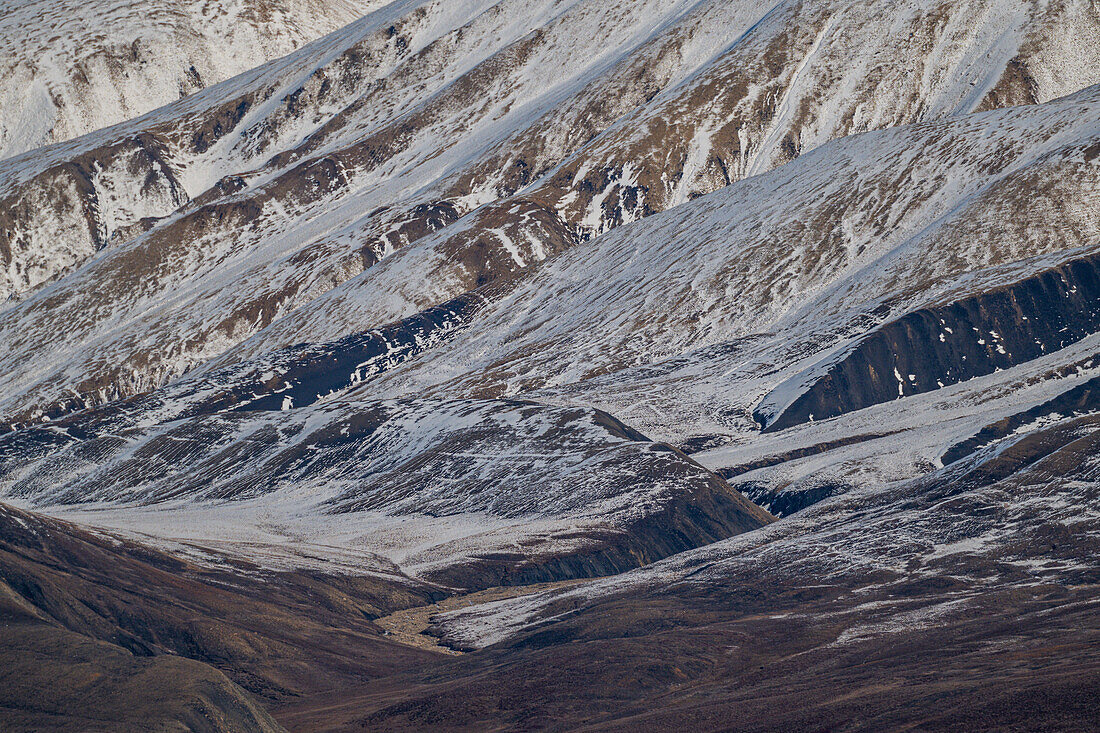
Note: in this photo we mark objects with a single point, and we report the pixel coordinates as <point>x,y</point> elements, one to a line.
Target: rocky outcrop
<point>65,214</point>
<point>940,345</point>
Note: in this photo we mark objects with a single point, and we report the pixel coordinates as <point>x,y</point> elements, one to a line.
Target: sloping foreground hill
<point>966,600</point>
<point>102,634</point>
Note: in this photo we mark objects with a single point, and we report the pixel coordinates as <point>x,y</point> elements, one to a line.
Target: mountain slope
<point>260,195</point>
<point>574,364</point>
<point>966,599</point>
<point>861,229</point>
<point>469,494</point>
<point>104,634</point>
<point>71,67</point>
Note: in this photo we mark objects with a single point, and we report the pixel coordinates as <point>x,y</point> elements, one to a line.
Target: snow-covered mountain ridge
<point>70,68</point>
<point>337,148</point>
<point>521,363</point>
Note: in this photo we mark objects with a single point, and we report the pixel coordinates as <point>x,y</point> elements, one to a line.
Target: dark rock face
<point>784,503</point>
<point>941,345</point>
<point>292,377</point>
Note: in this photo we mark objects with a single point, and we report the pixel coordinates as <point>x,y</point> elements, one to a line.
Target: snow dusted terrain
<point>264,193</point>
<point>837,255</point>
<point>776,324</point>
<point>70,67</point>
<point>439,488</point>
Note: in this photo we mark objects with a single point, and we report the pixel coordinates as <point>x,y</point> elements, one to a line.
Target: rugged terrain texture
<point>966,599</point>
<point>471,494</point>
<point>566,364</point>
<point>72,67</point>
<point>473,142</point>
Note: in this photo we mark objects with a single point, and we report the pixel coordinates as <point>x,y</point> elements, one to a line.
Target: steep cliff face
<point>941,345</point>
